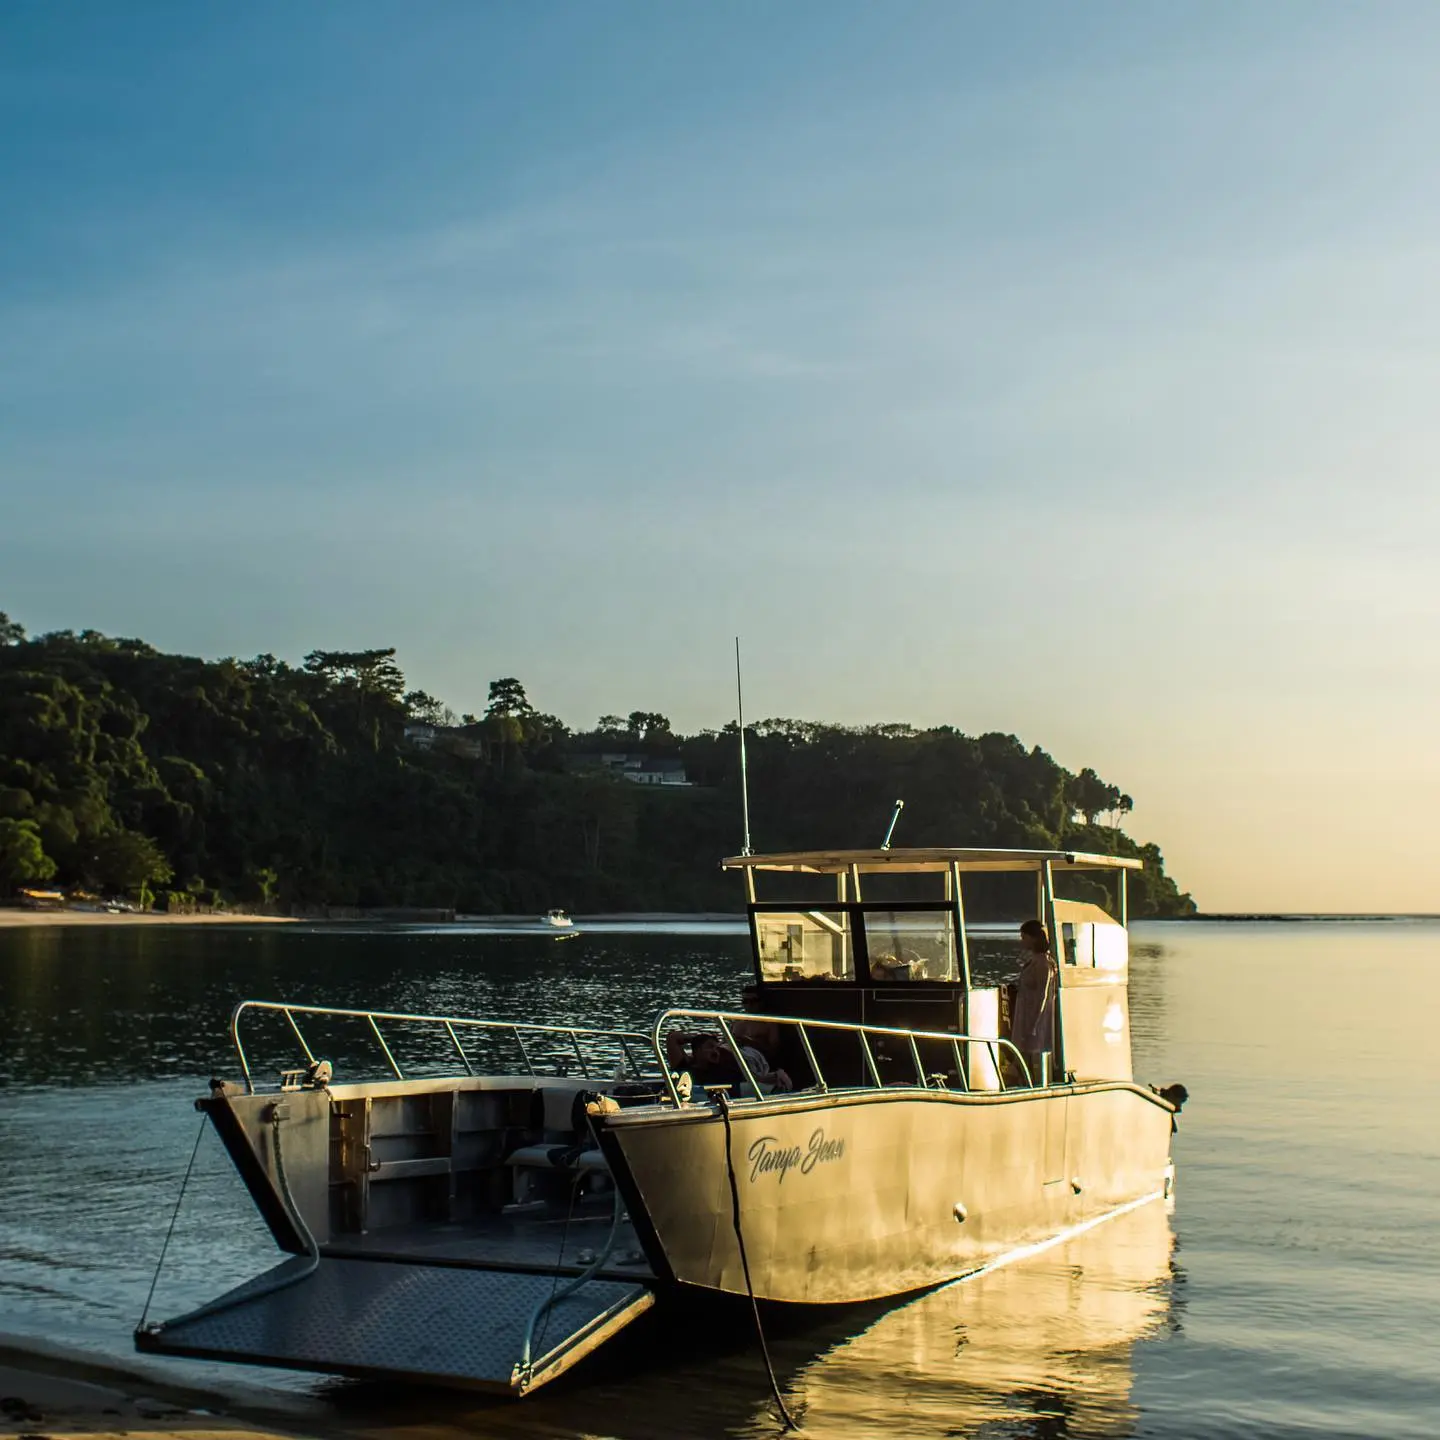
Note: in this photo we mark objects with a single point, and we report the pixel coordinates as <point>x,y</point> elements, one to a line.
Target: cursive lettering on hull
<point>768,1157</point>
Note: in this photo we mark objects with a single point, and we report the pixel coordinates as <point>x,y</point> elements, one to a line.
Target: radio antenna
<point>894,816</point>
<point>744,777</point>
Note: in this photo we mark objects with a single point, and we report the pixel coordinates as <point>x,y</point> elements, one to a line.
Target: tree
<point>127,861</point>
<point>643,725</point>
<point>22,856</point>
<point>371,672</point>
<point>427,709</point>
<point>508,697</point>
<point>266,882</point>
<point>1091,796</point>
<point>11,631</point>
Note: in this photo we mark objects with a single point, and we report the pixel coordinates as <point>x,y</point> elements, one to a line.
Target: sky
<point>1065,370</point>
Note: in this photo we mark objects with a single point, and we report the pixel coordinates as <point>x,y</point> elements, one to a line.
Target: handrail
<point>997,1046</point>
<point>516,1029</point>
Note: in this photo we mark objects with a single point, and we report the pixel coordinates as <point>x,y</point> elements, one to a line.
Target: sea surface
<point>1291,1289</point>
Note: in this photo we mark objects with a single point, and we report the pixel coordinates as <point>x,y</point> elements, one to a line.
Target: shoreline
<point>19,919</point>
<point>56,1390</point>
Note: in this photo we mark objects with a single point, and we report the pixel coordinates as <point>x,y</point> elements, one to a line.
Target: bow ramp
<point>452,1229</point>
<point>496,1330</point>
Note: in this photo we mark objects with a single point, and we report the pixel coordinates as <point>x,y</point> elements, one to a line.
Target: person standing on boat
<point>1032,1025</point>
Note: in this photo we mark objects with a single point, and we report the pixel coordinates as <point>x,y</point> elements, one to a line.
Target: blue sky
<point>1060,369</point>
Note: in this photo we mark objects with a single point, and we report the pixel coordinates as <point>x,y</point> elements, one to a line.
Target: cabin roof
<point>838,862</point>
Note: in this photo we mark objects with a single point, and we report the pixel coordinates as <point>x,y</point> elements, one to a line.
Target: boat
<point>558,918</point>
<point>502,1203</point>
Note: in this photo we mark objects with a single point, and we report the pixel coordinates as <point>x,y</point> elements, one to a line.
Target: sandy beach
<point>13,917</point>
<point>50,1391</point>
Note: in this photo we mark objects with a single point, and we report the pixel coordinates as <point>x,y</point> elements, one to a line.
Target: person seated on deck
<point>759,1042</point>
<point>1032,1021</point>
<point>710,1061</point>
<point>706,1057</point>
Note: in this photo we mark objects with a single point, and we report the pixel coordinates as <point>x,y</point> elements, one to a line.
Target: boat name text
<point>768,1157</point>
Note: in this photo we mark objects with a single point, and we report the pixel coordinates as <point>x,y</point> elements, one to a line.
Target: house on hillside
<point>420,735</point>
<point>647,769</point>
<point>462,740</point>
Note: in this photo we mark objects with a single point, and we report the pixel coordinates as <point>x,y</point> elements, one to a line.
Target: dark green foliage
<point>331,784</point>
<point>22,856</point>
<point>126,861</point>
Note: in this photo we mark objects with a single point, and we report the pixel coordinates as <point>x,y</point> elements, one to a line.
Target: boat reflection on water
<point>1041,1347</point>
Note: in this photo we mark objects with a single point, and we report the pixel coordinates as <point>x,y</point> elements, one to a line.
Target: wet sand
<point>41,918</point>
<point>49,1391</point>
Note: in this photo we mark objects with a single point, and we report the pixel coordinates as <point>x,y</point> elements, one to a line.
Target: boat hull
<point>860,1195</point>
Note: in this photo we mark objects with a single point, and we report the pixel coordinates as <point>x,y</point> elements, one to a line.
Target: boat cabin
<point>890,944</point>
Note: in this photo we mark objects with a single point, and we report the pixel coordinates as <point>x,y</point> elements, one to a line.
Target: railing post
<point>579,1055</point>
<point>240,1048</point>
<point>524,1053</point>
<point>464,1059</point>
<point>810,1056</point>
<point>384,1046</point>
<point>662,1059</point>
<point>870,1059</point>
<point>300,1037</point>
<point>629,1058</point>
<point>919,1068</point>
<point>739,1055</point>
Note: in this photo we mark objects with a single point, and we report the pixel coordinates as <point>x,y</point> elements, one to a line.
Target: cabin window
<point>1079,943</point>
<point>911,944</point>
<point>805,945</point>
<point>1112,947</point>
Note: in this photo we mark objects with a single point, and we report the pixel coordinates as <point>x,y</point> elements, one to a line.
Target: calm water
<point>1293,1291</point>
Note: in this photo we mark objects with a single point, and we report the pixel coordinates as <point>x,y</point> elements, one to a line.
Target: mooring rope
<point>276,1283</point>
<point>174,1216</point>
<point>723,1101</point>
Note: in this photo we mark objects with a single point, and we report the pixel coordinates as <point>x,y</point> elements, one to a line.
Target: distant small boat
<point>558,918</point>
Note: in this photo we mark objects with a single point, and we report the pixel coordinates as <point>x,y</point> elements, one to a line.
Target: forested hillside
<point>256,782</point>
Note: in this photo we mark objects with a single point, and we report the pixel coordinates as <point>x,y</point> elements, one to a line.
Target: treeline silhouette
<point>258,783</point>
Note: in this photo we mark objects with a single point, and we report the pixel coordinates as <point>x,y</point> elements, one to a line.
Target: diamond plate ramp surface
<point>423,1322</point>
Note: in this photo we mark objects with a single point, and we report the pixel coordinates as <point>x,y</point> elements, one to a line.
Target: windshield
<point>911,945</point>
<point>805,945</point>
